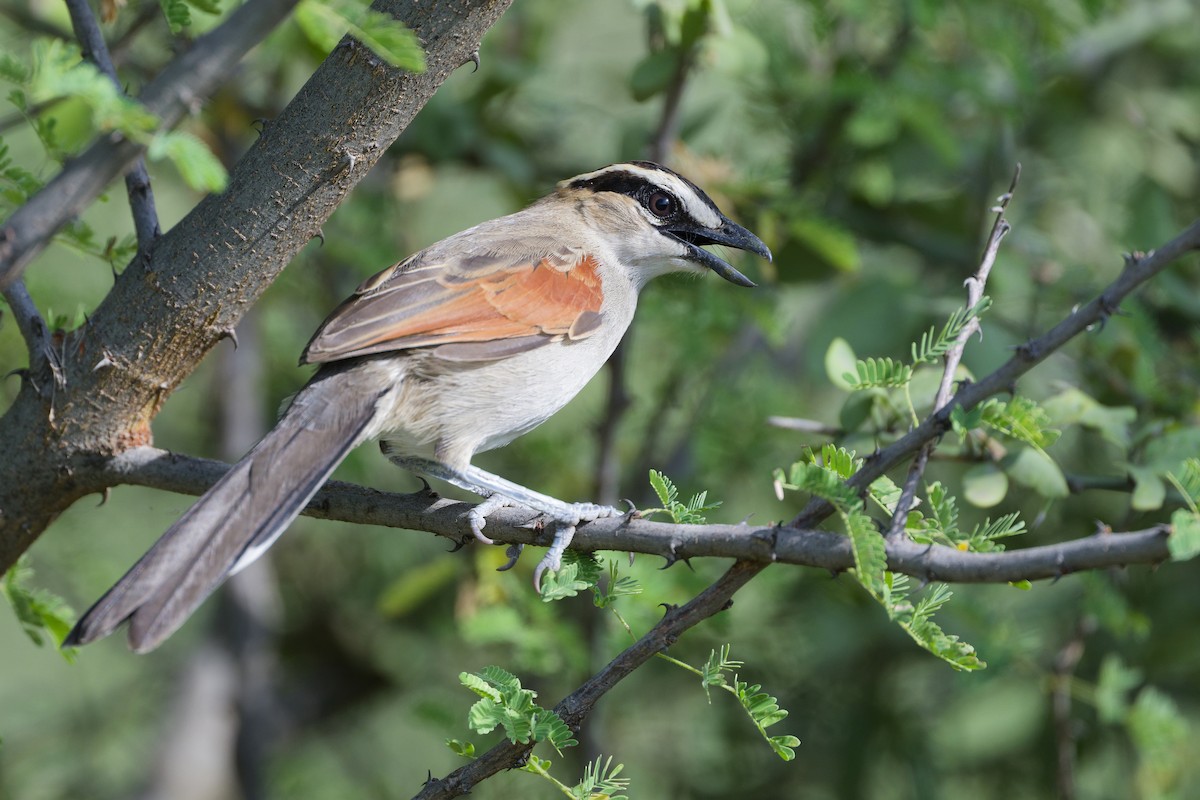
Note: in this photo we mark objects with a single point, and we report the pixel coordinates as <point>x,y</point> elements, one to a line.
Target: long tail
<point>236,520</point>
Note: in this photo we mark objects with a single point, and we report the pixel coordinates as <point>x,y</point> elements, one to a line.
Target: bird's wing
<point>474,306</point>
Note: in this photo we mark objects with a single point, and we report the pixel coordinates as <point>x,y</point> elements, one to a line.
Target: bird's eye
<point>661,204</point>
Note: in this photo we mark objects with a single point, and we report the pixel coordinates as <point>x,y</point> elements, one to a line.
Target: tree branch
<point>137,180</point>
<point>953,358</point>
<point>426,511</point>
<point>175,92</point>
<point>1139,268</point>
<point>173,304</point>
<point>45,366</point>
<point>577,705</point>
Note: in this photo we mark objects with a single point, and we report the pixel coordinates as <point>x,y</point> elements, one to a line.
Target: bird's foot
<point>564,532</point>
<point>477,516</point>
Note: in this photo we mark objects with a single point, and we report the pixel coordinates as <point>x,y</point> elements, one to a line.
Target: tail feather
<point>240,516</point>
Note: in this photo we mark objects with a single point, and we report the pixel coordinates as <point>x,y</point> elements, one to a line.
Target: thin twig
<point>172,94</point>
<point>577,705</point>
<point>975,285</point>
<point>42,356</point>
<point>137,180</point>
<point>1139,268</point>
<point>1064,737</point>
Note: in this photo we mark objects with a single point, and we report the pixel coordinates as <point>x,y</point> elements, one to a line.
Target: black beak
<point>729,234</point>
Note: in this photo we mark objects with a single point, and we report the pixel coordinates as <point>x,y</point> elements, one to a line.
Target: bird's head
<point>659,220</point>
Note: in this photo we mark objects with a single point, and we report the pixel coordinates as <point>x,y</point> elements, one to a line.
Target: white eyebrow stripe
<point>693,204</point>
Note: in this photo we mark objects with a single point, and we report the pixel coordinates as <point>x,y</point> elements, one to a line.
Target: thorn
<point>1027,351</point>
<point>104,495</point>
<point>472,59</point>
<point>103,363</point>
<point>1109,310</point>
<point>459,544</point>
<point>260,125</point>
<point>320,234</point>
<point>746,519</point>
<point>1061,569</point>
<point>1102,529</point>
<point>231,335</point>
<point>728,605</point>
<point>514,553</point>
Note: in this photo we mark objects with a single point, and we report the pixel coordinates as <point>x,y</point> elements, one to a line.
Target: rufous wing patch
<point>398,310</point>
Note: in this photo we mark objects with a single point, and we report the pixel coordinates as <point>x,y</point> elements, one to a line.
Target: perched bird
<point>458,349</point>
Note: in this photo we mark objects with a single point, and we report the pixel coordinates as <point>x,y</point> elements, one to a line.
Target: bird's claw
<point>564,532</point>
<point>514,553</point>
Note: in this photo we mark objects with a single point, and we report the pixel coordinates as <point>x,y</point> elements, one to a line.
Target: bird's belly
<point>453,413</point>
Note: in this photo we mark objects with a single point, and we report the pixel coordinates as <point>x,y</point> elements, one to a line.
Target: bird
<point>458,349</point>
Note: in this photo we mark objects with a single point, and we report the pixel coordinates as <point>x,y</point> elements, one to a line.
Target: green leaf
<point>1149,490</point>
<point>654,73</point>
<point>1022,419</point>
<point>870,552</point>
<point>985,485</point>
<point>1073,407</point>
<point>601,782</point>
<point>663,488</point>
<point>1031,467</point>
<point>690,513</point>
<point>933,346</point>
<point>324,22</point>
<point>840,364</point>
<point>41,614</point>
<point>1113,686</point>
<point>578,573</point>
<point>177,13</point>
<point>830,242</point>
<point>464,749</point>
<point>881,373</point>
<point>199,167</point>
<point>697,20</point>
<point>1184,541</point>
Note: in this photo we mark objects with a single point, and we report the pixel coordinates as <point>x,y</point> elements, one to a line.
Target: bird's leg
<point>500,493</point>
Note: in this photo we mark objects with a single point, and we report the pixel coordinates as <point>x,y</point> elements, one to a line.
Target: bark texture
<point>173,303</point>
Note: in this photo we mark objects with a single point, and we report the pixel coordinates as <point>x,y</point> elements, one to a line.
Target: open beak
<point>729,234</point>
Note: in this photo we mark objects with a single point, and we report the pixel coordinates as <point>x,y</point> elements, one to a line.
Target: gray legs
<point>500,493</point>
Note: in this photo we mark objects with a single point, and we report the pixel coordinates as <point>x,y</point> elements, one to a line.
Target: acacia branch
<point>762,544</point>
<point>172,304</point>
<point>953,358</point>
<point>1139,268</point>
<point>137,180</point>
<point>577,705</point>
<point>176,91</point>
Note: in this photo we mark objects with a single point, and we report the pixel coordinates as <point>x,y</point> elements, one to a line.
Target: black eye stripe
<point>638,187</point>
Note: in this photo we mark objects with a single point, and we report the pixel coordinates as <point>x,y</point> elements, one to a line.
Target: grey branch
<point>1139,268</point>
<point>176,91</point>
<point>953,358</point>
<point>137,180</point>
<point>426,511</point>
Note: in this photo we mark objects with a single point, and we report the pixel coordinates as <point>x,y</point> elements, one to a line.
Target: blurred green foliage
<point>866,143</point>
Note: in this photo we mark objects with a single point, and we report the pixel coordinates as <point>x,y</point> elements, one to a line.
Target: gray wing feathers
<point>239,517</point>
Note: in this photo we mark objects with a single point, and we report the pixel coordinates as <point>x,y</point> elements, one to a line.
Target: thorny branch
<point>1139,268</point>
<point>171,95</point>
<point>137,179</point>
<point>763,544</point>
<point>975,285</point>
<point>903,556</point>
